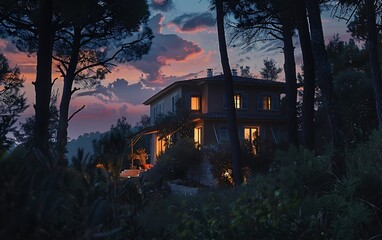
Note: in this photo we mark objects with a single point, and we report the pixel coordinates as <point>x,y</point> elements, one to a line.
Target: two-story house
<point>257,104</point>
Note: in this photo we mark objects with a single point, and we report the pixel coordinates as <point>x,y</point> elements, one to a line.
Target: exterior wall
<point>272,122</point>
<point>188,92</point>
<point>215,97</point>
<point>270,132</point>
<point>250,94</point>
<point>204,99</point>
<point>210,134</point>
<point>164,104</point>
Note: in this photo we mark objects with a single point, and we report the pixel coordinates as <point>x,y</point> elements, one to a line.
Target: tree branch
<point>76,112</point>
<point>74,90</point>
<point>102,63</point>
<point>54,80</point>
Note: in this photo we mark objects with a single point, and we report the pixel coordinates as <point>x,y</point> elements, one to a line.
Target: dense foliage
<point>177,158</point>
<point>297,199</point>
<point>12,101</point>
<point>80,202</point>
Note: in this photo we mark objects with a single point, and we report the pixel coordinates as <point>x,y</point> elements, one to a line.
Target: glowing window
<point>195,103</point>
<point>252,134</point>
<point>160,146</point>
<point>266,103</point>
<point>198,136</point>
<point>237,100</point>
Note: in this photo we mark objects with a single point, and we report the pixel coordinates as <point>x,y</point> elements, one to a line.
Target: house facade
<point>257,102</point>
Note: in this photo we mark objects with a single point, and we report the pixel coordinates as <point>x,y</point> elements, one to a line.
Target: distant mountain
<point>85,142</point>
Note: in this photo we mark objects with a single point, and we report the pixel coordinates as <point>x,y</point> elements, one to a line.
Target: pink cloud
<point>165,48</point>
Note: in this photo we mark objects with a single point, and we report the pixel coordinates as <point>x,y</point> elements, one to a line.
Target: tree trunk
<point>43,84</point>
<point>228,83</point>
<point>372,45</point>
<point>62,133</point>
<point>325,82</point>
<point>290,77</point>
<point>309,76</point>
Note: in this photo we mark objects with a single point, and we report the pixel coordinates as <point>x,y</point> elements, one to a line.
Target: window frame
<point>274,103</point>
<point>266,102</point>
<point>251,139</point>
<point>198,137</point>
<point>243,101</point>
<point>192,103</point>
<point>238,100</point>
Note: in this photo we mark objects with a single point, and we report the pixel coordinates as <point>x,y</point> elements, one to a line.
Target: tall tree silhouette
<point>325,83</point>
<point>82,51</point>
<point>365,26</point>
<point>228,85</point>
<point>309,74</point>
<point>43,84</point>
<point>287,29</point>
<point>79,39</point>
<point>269,20</point>
<point>33,27</point>
<point>373,46</point>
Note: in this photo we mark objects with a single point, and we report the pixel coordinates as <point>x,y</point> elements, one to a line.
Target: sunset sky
<point>185,45</point>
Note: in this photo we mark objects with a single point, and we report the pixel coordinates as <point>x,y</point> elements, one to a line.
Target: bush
<point>258,163</point>
<point>81,202</point>
<point>297,199</point>
<point>177,158</point>
<point>301,173</point>
<point>220,158</point>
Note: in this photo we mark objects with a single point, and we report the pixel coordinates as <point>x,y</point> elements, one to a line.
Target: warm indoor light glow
<point>198,136</point>
<point>266,103</point>
<point>252,134</point>
<point>195,103</point>
<point>237,100</point>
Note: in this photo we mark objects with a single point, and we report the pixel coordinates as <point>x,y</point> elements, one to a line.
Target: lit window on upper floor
<point>267,103</point>
<point>195,105</point>
<point>240,100</point>
<point>237,101</point>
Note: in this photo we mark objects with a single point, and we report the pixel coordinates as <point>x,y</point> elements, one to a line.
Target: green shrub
<point>38,202</point>
<point>175,161</point>
<point>220,158</point>
<point>301,173</point>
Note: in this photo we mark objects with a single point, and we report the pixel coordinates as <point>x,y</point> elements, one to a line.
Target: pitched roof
<point>237,80</point>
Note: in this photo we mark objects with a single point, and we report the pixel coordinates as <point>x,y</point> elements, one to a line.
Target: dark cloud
<point>190,22</point>
<point>131,93</point>
<point>121,91</point>
<point>164,47</point>
<point>162,5</point>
